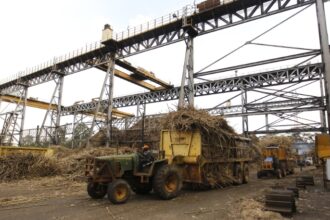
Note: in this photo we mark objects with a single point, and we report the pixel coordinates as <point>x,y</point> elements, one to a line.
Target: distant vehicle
<point>277,161</point>
<point>309,161</point>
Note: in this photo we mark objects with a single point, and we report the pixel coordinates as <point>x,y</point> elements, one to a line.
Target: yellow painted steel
<point>29,102</point>
<point>44,105</point>
<point>142,74</point>
<point>130,78</point>
<point>184,148</point>
<point>322,145</point>
<point>150,76</point>
<point>281,152</point>
<point>186,145</point>
<point>5,151</point>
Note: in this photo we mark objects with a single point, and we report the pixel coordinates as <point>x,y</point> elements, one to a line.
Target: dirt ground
<point>59,198</point>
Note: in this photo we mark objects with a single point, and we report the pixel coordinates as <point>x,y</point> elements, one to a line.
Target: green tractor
<point>117,175</point>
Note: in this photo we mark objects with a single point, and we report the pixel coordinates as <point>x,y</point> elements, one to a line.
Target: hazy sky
<point>35,31</point>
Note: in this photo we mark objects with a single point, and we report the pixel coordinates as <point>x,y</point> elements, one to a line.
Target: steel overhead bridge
<point>274,107</point>
<point>246,82</point>
<point>260,108</point>
<point>145,38</point>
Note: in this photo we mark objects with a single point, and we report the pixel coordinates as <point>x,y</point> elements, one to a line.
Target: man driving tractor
<point>146,156</point>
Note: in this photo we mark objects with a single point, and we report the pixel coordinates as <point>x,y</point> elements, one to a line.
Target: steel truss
<point>201,23</point>
<point>53,131</point>
<point>13,123</point>
<point>106,92</point>
<point>259,80</point>
<point>206,22</point>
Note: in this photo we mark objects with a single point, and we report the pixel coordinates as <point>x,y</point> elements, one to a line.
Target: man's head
<point>145,147</point>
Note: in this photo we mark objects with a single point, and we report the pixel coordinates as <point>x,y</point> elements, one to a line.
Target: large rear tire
<point>96,190</point>
<point>119,191</point>
<point>167,182</point>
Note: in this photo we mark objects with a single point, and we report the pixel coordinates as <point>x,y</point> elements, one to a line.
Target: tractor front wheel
<point>167,182</point>
<point>96,190</point>
<point>119,191</point>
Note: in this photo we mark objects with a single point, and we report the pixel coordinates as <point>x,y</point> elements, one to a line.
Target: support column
<point>24,99</point>
<point>245,122</point>
<point>141,109</point>
<point>58,111</point>
<point>267,121</point>
<point>187,76</point>
<point>107,90</point>
<point>52,113</point>
<point>13,125</point>
<point>324,42</point>
<point>322,112</point>
<point>188,68</point>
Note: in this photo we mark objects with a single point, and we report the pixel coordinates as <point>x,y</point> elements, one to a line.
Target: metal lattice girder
<point>291,130</point>
<point>13,124</point>
<point>205,22</point>
<point>298,105</point>
<point>274,108</point>
<point>216,19</point>
<point>259,80</point>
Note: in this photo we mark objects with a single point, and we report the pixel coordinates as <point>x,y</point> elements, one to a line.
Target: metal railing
<point>130,32</point>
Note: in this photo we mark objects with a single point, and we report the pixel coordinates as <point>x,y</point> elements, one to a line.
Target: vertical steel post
<point>25,94</point>
<point>50,112</point>
<point>322,112</point>
<point>187,75</point>
<point>245,122</point>
<point>267,121</point>
<point>110,98</point>
<point>107,88</point>
<point>59,109</point>
<point>324,43</point>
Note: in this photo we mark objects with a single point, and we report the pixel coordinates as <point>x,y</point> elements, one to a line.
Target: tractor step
<point>282,201</point>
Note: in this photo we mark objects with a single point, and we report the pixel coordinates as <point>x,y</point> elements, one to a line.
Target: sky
<point>36,31</point>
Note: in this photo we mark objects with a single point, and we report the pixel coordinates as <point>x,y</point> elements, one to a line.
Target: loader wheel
<point>246,173</point>
<point>167,182</point>
<point>259,174</point>
<point>96,190</point>
<point>279,174</point>
<point>119,191</point>
<point>238,175</point>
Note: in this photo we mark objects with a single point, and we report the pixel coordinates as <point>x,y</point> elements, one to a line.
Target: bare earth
<point>59,198</point>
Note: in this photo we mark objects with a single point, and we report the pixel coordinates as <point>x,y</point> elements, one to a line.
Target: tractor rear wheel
<point>167,182</point>
<point>96,190</point>
<point>119,191</point>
